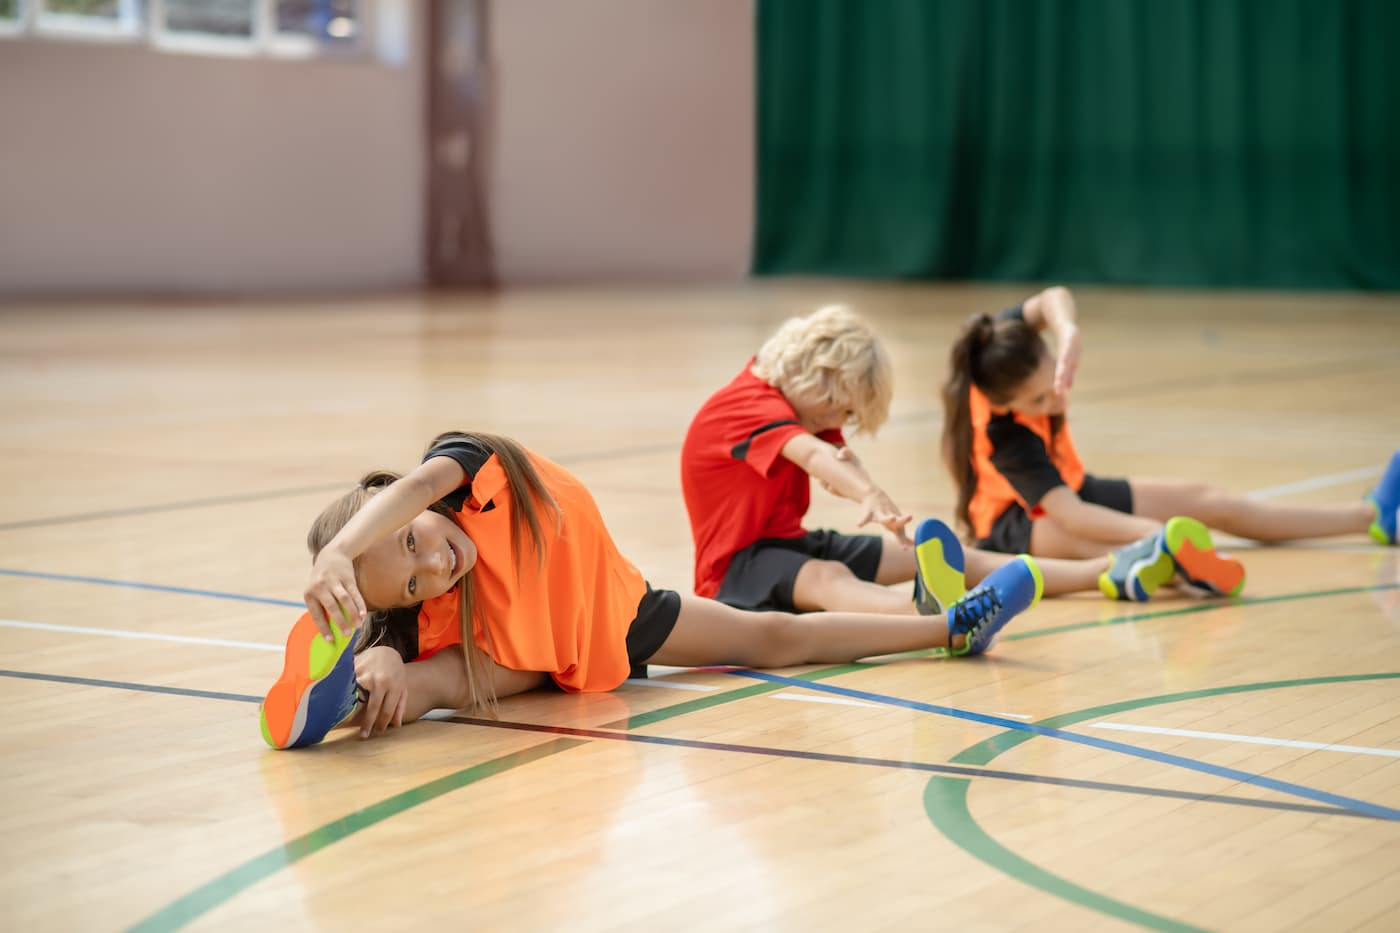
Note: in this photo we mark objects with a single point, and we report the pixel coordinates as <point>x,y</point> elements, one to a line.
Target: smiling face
<point>420,561</point>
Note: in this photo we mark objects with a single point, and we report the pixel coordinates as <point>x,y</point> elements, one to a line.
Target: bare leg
<point>1060,576</point>
<point>1052,538</point>
<point>1248,518</point>
<point>832,586</point>
<point>709,632</point>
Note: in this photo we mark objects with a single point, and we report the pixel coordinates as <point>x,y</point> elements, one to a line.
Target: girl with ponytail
<point>1021,486</point>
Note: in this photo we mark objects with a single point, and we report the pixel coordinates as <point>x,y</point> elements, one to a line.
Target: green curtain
<point>1169,142</point>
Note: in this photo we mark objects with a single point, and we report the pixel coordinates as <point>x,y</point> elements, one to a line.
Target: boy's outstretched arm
<point>842,474</point>
<point>332,584</point>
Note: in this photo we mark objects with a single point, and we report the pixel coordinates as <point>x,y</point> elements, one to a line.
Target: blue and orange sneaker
<point>939,580</point>
<point>1201,568</point>
<point>1386,498</point>
<point>979,616</point>
<point>1137,570</point>
<point>317,689</point>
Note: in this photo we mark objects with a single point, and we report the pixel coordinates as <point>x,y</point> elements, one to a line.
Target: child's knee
<point>778,641</point>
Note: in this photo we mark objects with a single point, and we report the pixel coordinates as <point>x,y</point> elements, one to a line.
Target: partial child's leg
<point>832,586</point>
<point>709,632</point>
<point>1053,538</point>
<point>1258,519</point>
<point>1061,576</point>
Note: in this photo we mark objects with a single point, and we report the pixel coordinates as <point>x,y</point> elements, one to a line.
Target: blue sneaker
<point>1007,591</point>
<point>938,575</point>
<point>1137,570</point>
<point>317,689</point>
<point>1386,498</point>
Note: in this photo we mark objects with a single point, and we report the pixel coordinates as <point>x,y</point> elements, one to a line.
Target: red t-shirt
<point>738,487</point>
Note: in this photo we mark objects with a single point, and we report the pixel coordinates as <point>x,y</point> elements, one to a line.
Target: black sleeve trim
<point>740,451</point>
<point>1019,454</point>
<point>471,455</point>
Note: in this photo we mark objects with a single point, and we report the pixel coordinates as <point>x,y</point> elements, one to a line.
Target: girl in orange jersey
<point>1022,487</point>
<point>512,549</point>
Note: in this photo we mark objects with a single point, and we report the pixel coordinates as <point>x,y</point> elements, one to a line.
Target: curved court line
<point>1093,741</point>
<point>238,879</point>
<point>900,765</point>
<point>945,800</point>
<point>813,676</point>
<point>690,706</point>
<point>241,877</point>
<point>156,587</point>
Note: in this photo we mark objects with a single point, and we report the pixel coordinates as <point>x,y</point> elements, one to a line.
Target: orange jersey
<point>568,618</point>
<point>1046,460</point>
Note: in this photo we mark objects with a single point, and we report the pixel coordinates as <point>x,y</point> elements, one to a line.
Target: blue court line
<point>897,764</point>
<point>1191,764</point>
<point>800,754</point>
<point>157,587</point>
<point>127,685</point>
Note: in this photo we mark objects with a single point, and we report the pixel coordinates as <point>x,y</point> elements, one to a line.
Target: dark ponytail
<point>997,356</point>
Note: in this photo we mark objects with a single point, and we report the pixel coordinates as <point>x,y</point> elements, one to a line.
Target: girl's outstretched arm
<point>1054,309</point>
<point>332,589</point>
<point>838,470</point>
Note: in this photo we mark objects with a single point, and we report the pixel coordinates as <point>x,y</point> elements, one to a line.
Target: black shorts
<point>1011,532</point>
<point>761,575</point>
<point>657,612</point>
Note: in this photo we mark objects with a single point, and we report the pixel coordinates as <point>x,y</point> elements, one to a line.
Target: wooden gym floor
<point>1178,765</point>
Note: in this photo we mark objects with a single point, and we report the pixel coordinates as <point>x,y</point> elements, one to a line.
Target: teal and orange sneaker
<point>1137,570</point>
<point>1201,568</point>
<point>979,616</point>
<point>1386,498</point>
<point>317,689</point>
<point>939,580</point>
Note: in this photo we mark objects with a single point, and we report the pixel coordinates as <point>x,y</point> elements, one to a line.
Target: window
<point>94,18</point>
<point>297,28</point>
<point>333,21</point>
<point>231,19</point>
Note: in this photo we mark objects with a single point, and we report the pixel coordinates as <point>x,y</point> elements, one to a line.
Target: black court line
<point>1329,368</point>
<point>77,517</point>
<point>127,685</point>
<point>955,770</point>
<point>169,506</point>
<point>896,764</point>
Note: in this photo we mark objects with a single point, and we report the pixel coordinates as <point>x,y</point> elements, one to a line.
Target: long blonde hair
<point>392,626</point>
<point>831,355</point>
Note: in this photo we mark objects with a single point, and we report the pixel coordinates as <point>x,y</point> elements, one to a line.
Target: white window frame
<point>126,27</point>
<point>139,21</point>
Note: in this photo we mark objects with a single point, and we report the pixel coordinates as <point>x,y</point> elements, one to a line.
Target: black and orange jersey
<point>567,617</point>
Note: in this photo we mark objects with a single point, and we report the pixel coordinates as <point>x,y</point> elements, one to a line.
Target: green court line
<point>729,696</point>
<point>237,880</point>
<point>1207,606</point>
<point>945,800</point>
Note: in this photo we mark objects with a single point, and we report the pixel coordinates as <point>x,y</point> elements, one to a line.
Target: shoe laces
<point>978,609</point>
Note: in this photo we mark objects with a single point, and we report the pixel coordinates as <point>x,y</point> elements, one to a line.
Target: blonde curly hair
<point>831,356</point>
